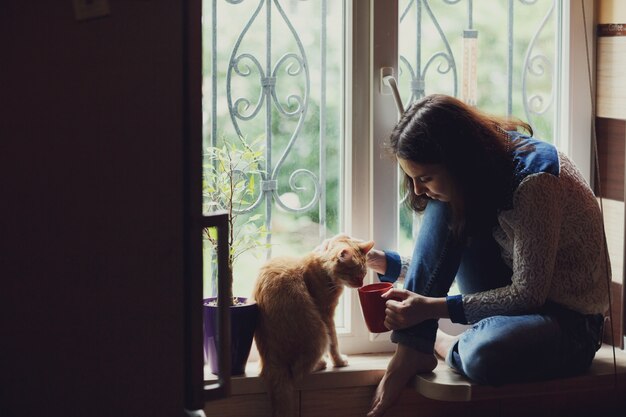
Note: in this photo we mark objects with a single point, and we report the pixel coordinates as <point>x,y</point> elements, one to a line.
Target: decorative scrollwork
<point>233,66</point>
<point>413,66</point>
<point>538,66</point>
<point>292,69</point>
<point>242,104</point>
<point>272,96</point>
<point>441,69</point>
<point>417,90</point>
<point>293,184</point>
<point>449,56</point>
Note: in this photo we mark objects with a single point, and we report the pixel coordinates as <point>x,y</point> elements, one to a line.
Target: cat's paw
<point>340,361</point>
<point>321,365</point>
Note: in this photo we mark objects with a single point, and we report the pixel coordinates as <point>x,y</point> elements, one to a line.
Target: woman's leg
<point>482,267</point>
<point>505,349</point>
<point>434,265</point>
<point>438,259</point>
<point>444,342</point>
<point>404,365</point>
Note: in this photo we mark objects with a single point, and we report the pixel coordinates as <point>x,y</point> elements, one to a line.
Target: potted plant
<point>229,183</point>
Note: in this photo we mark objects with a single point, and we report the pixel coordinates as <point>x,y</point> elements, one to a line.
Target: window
<point>303,76</point>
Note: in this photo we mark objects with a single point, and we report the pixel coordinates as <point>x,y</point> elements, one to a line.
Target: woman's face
<point>430,179</point>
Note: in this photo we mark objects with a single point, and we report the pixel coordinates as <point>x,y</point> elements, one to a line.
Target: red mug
<point>373,305</point>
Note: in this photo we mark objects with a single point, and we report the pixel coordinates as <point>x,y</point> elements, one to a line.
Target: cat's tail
<point>281,389</point>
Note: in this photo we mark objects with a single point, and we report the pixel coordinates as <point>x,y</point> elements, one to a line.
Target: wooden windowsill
<point>362,370</point>
<point>443,383</point>
<point>446,385</point>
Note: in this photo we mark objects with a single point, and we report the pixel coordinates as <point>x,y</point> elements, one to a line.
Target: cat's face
<point>348,258</point>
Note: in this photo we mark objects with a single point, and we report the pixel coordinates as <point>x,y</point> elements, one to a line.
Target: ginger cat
<point>297,298</point>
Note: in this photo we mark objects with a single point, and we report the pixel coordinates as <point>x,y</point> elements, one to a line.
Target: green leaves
<point>233,174</point>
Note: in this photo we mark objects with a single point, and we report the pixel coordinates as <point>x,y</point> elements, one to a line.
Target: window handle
<point>388,81</point>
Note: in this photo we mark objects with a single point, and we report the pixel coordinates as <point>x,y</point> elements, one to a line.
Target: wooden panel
<point>611,135</point>
<point>611,11</point>
<point>610,402</point>
<point>250,405</point>
<point>355,402</point>
<point>611,78</point>
<point>565,396</point>
<point>445,385</point>
<point>337,402</point>
<point>617,312</point>
<point>613,212</point>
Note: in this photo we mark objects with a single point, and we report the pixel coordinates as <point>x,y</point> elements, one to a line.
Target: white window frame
<point>575,114</point>
<point>367,123</point>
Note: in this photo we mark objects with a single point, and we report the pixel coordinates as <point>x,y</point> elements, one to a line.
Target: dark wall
<point>91,210</point>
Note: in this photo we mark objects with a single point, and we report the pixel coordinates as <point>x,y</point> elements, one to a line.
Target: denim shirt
<point>532,156</point>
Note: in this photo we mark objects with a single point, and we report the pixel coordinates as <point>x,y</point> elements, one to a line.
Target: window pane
<point>499,55</point>
<point>272,71</point>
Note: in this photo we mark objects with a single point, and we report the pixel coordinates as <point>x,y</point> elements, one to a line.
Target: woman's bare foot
<point>404,365</point>
<point>443,343</point>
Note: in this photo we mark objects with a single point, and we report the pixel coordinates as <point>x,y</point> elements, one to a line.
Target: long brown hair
<point>473,147</point>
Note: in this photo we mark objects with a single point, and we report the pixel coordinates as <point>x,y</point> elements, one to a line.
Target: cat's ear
<point>366,246</point>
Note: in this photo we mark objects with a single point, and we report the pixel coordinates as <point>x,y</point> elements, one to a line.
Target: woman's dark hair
<point>471,145</point>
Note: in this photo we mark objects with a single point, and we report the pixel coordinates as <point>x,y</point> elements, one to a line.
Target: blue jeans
<point>547,343</point>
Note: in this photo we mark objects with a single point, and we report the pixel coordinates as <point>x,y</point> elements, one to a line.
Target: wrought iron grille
<point>527,59</point>
<point>269,72</point>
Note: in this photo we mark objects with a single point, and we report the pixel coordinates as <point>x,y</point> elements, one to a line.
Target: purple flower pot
<point>243,321</point>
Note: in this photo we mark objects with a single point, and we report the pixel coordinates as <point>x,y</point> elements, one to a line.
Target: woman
<point>513,221</point>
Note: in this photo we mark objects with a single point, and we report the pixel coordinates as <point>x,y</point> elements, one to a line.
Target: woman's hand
<point>406,308</point>
<point>376,261</point>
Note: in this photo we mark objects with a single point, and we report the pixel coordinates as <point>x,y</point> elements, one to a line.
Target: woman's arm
<point>534,225</point>
<point>377,261</point>
<point>389,265</point>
